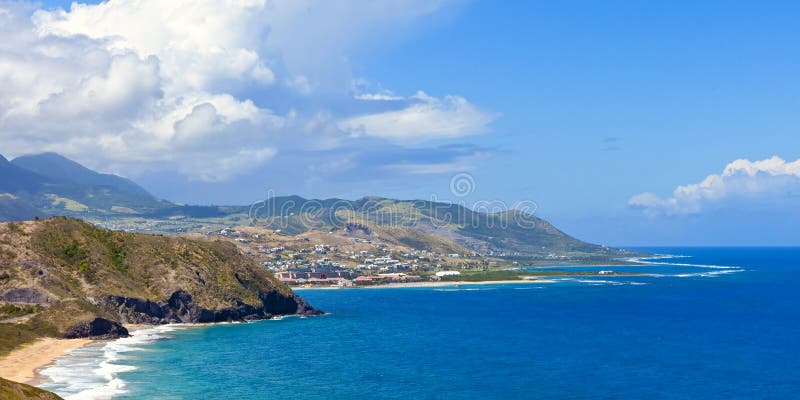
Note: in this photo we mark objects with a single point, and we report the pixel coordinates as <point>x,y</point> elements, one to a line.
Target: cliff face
<point>180,307</point>
<point>87,281</point>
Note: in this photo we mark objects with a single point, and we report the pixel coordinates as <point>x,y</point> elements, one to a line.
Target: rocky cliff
<point>82,281</point>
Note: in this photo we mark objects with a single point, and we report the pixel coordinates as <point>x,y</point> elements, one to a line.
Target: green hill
<point>16,179</point>
<point>60,168</point>
<point>10,390</point>
<point>12,208</point>
<point>66,278</point>
<point>49,184</point>
<point>509,234</point>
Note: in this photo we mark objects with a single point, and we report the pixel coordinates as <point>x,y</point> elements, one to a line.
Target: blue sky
<point>578,106</point>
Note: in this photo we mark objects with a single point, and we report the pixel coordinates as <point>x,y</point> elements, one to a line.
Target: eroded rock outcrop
<point>97,328</point>
<point>24,295</point>
<point>180,307</point>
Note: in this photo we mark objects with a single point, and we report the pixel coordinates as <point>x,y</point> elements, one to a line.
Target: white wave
<point>596,281</point>
<point>648,261</point>
<point>92,373</point>
<point>601,282</point>
<point>707,274</point>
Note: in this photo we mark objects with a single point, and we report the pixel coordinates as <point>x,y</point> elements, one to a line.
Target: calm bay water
<point>731,331</point>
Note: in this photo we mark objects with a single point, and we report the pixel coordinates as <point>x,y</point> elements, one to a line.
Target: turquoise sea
<point>715,323</point>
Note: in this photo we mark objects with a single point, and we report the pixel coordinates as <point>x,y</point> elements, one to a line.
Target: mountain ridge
<point>56,166</point>
<point>52,184</point>
<point>58,186</point>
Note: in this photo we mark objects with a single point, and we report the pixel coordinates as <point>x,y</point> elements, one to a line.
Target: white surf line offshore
<point>597,281</point>
<point>645,260</point>
<point>92,372</point>
<point>608,280</point>
<point>722,269</point>
<point>600,282</point>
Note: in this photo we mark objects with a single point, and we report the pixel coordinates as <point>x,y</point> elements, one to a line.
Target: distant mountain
<point>56,166</point>
<point>13,208</point>
<point>16,182</point>
<point>16,179</point>
<point>50,184</point>
<point>509,234</point>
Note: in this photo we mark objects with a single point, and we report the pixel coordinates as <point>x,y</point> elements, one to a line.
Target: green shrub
<point>73,252</point>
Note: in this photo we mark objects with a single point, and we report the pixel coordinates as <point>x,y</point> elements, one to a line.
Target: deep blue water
<point>731,335</point>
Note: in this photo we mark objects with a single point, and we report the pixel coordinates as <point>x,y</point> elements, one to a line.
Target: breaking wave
<point>92,372</point>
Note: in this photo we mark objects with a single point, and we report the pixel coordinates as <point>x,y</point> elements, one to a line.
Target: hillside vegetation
<point>69,277</point>
<point>424,224</point>
<point>10,390</point>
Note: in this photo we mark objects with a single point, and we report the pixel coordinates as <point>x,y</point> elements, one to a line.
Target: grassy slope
<point>73,262</point>
<point>10,390</point>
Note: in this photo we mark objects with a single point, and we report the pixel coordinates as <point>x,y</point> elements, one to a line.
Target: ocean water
<point>715,323</point>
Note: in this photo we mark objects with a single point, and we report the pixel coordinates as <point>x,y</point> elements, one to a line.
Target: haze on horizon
<point>632,123</point>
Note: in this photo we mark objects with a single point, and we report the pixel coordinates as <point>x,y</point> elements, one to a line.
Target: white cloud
<point>190,86</point>
<point>214,168</point>
<point>197,42</point>
<point>382,96</point>
<point>128,85</point>
<point>431,168</point>
<point>741,180</point>
<point>301,84</point>
<point>425,118</point>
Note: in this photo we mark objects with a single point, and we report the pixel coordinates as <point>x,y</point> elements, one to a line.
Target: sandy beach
<point>22,363</point>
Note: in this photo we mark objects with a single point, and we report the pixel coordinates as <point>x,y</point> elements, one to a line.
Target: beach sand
<point>21,364</point>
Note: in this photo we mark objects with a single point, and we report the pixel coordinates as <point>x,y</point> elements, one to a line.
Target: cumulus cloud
<point>192,86</point>
<point>128,85</point>
<point>382,96</point>
<point>425,118</point>
<point>741,181</point>
<point>198,43</point>
<point>215,168</point>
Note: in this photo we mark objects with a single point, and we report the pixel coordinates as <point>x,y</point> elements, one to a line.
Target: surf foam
<point>93,372</point>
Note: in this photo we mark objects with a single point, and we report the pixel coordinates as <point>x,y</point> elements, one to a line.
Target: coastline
<point>424,284</point>
<point>23,363</point>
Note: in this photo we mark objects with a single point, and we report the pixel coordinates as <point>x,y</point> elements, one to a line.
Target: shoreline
<point>23,363</point>
<point>638,264</point>
<point>423,284</point>
<point>402,285</point>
